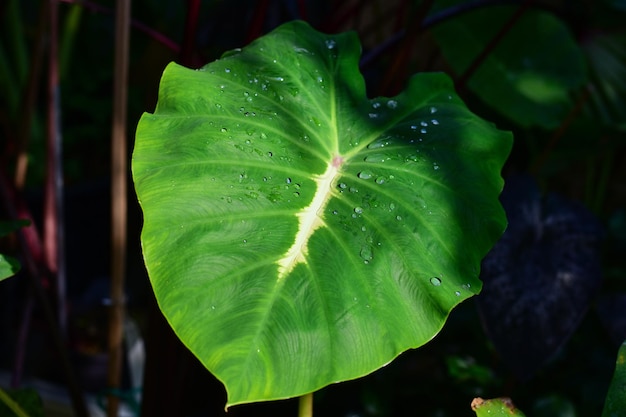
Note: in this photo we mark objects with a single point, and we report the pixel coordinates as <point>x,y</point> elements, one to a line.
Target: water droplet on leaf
<point>435,281</point>
<point>366,253</point>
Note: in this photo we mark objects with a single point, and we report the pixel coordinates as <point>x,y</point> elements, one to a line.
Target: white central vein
<point>309,220</point>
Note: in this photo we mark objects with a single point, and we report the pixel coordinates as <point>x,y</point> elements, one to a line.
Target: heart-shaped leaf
<point>297,233</point>
<point>541,276</point>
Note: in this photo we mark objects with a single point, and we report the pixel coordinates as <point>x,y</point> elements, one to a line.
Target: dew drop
<point>223,130</point>
<point>342,185</point>
<point>366,253</point>
<point>245,241</point>
<point>270,154</point>
<point>376,105</point>
<point>331,43</point>
<point>365,175</point>
<point>423,124</point>
<point>457,293</point>
<point>434,110</point>
<point>435,281</point>
<point>358,210</point>
<point>398,218</point>
<point>373,115</point>
<point>392,104</point>
<point>435,121</point>
<point>375,158</point>
<point>288,180</point>
<point>423,131</point>
<point>226,69</point>
<point>380,180</point>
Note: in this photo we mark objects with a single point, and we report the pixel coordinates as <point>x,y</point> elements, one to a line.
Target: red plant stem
<point>558,134</point>
<point>34,263</point>
<point>189,37</point>
<point>53,243</point>
<point>142,27</point>
<point>118,201</point>
<point>461,82</point>
<point>29,98</point>
<point>302,9</point>
<point>391,79</point>
<point>258,17</point>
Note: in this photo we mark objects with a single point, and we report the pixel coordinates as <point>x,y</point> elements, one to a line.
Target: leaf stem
<point>13,406</point>
<point>305,405</point>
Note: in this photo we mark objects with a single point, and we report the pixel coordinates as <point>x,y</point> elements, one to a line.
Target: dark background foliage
<point>551,71</point>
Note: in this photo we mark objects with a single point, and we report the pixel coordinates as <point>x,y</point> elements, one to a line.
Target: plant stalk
<point>118,201</point>
<point>305,405</point>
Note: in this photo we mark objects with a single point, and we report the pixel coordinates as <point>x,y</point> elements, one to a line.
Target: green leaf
<point>497,407</point>
<point>8,266</point>
<point>7,227</point>
<point>616,398</point>
<point>24,402</point>
<point>531,73</point>
<point>607,61</point>
<point>297,233</point>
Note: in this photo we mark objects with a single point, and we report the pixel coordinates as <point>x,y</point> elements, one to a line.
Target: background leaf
<point>297,233</point>
<point>616,397</point>
<point>8,266</point>
<point>541,276</point>
<point>530,74</point>
<point>497,407</point>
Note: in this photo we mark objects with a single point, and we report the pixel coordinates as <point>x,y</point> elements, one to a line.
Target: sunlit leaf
<point>298,233</point>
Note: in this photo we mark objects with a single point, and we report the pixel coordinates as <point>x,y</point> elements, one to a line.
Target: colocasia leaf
<point>298,233</point>
<point>540,278</point>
